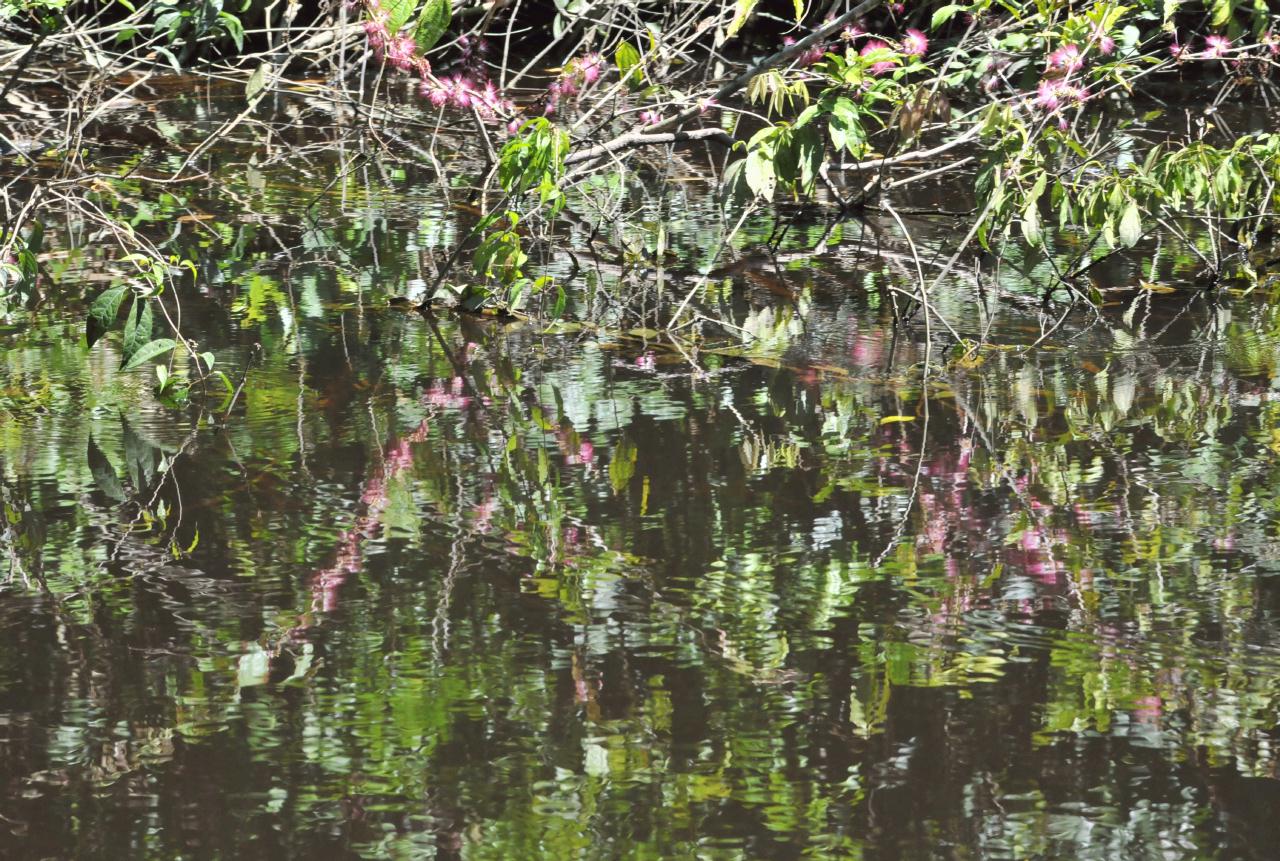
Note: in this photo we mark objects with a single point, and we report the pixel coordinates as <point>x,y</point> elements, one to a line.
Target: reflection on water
<point>502,594</point>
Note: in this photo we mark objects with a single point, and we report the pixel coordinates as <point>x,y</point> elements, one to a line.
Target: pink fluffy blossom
<point>376,32</point>
<point>591,66</point>
<point>1066,59</point>
<point>915,43</point>
<point>809,55</point>
<point>1216,47</point>
<point>852,32</point>
<point>435,93</point>
<point>1054,93</point>
<point>650,117</point>
<point>400,52</point>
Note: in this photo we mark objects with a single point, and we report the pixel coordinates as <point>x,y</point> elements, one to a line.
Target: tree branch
<point>731,87</point>
<point>637,138</point>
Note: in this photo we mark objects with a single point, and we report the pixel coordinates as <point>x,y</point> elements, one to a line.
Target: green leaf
<point>103,311</point>
<point>745,8</point>
<point>432,23</point>
<point>1031,223</point>
<point>137,327</point>
<point>761,177</point>
<point>231,24</point>
<point>627,59</point>
<point>257,81</point>
<point>1131,225</point>
<point>845,127</point>
<point>809,151</point>
<point>1222,10</point>
<point>149,351</point>
<point>799,4</point>
<point>943,15</point>
<point>398,13</point>
<point>169,55</point>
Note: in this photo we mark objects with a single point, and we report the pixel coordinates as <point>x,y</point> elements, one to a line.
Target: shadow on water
<point>506,594</point>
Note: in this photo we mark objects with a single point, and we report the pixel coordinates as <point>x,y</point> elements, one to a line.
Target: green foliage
<point>532,161</point>
<point>137,346</point>
<point>20,273</point>
<point>1025,175</point>
<point>186,24</point>
<point>433,22</point>
<point>630,69</point>
<point>792,154</point>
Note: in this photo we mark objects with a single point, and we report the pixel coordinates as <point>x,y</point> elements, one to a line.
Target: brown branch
<point>636,138</point>
<point>729,88</point>
<point>914,155</point>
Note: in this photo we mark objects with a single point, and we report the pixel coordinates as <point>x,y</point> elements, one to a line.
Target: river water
<point>458,587</point>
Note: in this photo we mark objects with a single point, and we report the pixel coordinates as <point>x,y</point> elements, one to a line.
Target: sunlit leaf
<point>745,8</point>
<point>1131,225</point>
<point>432,23</point>
<point>149,351</point>
<point>398,13</point>
<point>257,81</point>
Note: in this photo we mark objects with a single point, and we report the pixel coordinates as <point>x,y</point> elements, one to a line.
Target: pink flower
<point>812,55</point>
<point>882,66</point>
<point>376,31</point>
<point>436,93</point>
<point>1106,45</point>
<point>915,43</point>
<point>1053,93</point>
<point>1047,96</point>
<point>460,93</point>
<point>1067,59</point>
<point>591,66</point>
<point>400,52</point>
<point>1272,41</point>
<point>1216,47</point>
<point>707,104</point>
<point>1176,50</point>
<point>852,32</point>
<point>650,117</point>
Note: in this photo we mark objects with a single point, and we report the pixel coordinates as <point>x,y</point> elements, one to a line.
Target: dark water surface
<point>489,592</point>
